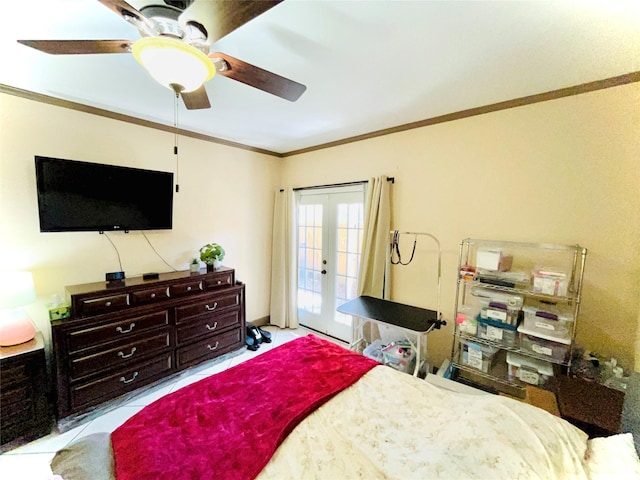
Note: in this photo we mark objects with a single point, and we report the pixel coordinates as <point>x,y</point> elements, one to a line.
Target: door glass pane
<point>310,257</point>
<point>348,241</point>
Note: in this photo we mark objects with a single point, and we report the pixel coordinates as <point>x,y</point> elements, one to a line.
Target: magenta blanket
<point>228,426</point>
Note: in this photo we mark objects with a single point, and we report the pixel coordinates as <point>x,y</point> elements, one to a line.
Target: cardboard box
<point>493,259</point>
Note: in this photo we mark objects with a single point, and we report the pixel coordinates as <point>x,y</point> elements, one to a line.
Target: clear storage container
<point>466,320</point>
<point>544,345</point>
<point>497,332</point>
<point>549,320</point>
<point>527,369</point>
<point>550,281</point>
<point>478,356</point>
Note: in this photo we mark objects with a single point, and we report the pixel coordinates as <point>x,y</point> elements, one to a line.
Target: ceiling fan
<point>176,36</point>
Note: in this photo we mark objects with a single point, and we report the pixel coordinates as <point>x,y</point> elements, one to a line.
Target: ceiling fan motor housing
<point>166,23</point>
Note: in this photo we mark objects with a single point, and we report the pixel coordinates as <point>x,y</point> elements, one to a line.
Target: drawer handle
<point>188,289</point>
<point>124,380</point>
<point>209,327</point>
<point>119,329</point>
<point>211,309</point>
<point>219,282</point>
<point>123,355</point>
<point>107,304</point>
<point>214,347</point>
<point>153,295</point>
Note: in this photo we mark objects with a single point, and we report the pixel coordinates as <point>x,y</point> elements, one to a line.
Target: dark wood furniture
<point>121,337</point>
<point>24,409</point>
<point>594,408</point>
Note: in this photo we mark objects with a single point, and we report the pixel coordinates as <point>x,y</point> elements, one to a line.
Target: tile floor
<point>31,461</point>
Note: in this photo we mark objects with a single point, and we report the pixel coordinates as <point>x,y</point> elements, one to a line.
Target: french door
<point>330,224</point>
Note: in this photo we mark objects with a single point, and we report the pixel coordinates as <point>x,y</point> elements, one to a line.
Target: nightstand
<point>24,410</point>
<point>592,407</point>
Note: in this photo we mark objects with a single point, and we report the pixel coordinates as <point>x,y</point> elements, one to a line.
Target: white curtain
<point>374,266</point>
<point>284,309</point>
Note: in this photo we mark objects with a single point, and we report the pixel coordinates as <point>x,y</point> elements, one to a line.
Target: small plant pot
<point>195,267</point>
<point>209,267</point>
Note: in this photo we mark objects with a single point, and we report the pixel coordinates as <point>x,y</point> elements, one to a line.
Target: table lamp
<point>16,291</point>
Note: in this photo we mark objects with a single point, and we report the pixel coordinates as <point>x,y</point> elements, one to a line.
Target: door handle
<point>324,272</point>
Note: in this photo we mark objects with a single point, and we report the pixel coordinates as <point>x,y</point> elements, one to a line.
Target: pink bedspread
<point>228,426</point>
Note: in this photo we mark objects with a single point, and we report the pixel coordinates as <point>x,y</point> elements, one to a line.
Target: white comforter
<point>392,425</point>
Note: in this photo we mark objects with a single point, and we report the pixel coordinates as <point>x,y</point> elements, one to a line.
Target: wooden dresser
<point>23,395</point>
<point>122,337</point>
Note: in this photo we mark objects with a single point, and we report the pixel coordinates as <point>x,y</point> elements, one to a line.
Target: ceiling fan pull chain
<point>175,140</point>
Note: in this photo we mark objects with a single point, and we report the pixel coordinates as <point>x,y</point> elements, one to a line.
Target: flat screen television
<point>78,196</point>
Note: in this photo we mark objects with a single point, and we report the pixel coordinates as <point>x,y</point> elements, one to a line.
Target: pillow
<point>614,457</point>
<point>89,458</point>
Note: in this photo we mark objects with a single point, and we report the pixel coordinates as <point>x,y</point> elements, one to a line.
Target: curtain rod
<point>345,184</point>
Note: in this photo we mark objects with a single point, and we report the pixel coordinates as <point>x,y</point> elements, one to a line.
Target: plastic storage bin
<point>466,320</point>
<point>478,356</point>
<point>527,369</point>
<point>399,355</point>
<point>547,320</point>
<point>550,281</point>
<point>544,345</point>
<point>508,300</point>
<point>497,332</point>
<point>500,313</point>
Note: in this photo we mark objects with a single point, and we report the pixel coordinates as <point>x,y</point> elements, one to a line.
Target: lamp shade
<point>16,290</point>
<point>173,63</point>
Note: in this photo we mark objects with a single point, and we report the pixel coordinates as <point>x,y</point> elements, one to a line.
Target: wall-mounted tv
<point>78,196</point>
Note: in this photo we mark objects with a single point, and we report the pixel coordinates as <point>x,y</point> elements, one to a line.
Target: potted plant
<point>195,265</point>
<point>212,254</point>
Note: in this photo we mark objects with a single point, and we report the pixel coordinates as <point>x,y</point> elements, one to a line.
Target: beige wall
<point>226,196</point>
<point>565,171</point>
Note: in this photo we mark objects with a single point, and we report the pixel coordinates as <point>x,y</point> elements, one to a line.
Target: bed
<point>312,409</point>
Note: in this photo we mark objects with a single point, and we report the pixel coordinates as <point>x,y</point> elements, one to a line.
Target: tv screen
<point>81,196</point>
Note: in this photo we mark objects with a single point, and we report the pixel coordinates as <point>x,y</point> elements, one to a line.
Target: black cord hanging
<point>175,139</point>
<point>395,249</point>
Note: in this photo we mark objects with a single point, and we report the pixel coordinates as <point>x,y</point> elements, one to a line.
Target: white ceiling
<point>367,65</point>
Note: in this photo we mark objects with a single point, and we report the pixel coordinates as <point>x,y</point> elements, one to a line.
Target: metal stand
<point>409,319</point>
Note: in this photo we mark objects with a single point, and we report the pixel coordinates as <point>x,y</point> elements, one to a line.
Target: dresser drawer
<point>223,279</point>
<point>208,305</point>
<point>186,288</point>
<point>116,331</point>
<point>106,304</point>
<point>17,394</point>
<point>121,355</point>
<point>206,325</point>
<point>12,374</point>
<point>12,410</point>
<point>120,382</point>
<point>208,348</point>
<point>23,403</point>
<point>151,295</point>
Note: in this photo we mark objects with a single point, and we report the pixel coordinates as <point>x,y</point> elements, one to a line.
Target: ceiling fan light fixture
<point>172,62</point>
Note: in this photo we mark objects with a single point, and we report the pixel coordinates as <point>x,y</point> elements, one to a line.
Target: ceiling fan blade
<point>221,17</point>
<point>75,47</point>
<point>131,15</point>
<point>257,77</point>
<point>196,100</point>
